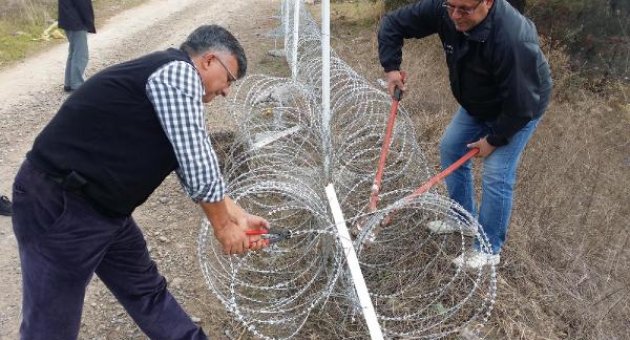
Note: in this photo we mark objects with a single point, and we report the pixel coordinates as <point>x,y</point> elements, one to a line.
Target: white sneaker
<point>475,260</point>
<point>445,227</point>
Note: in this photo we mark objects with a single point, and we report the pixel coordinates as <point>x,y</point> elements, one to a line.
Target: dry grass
<point>29,11</point>
<point>22,21</point>
<point>564,273</point>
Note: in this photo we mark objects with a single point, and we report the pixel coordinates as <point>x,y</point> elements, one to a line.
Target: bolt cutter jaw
<point>272,235</point>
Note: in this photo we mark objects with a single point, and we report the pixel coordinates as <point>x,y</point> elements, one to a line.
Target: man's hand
<point>256,222</point>
<point>395,79</point>
<point>485,149</point>
<point>230,224</point>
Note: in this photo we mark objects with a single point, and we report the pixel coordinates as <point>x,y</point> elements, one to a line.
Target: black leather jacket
<point>497,71</point>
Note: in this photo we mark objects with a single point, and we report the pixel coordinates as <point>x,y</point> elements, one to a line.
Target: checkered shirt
<point>176,92</point>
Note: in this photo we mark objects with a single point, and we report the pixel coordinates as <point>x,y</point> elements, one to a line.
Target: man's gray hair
<point>215,38</point>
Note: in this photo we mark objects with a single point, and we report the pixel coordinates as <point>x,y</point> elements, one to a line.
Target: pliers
<point>271,235</point>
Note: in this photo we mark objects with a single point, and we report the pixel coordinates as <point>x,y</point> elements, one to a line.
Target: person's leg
<point>78,56</point>
<point>498,178</point>
<point>68,72</point>
<point>61,241</point>
<point>462,130</point>
<point>128,271</point>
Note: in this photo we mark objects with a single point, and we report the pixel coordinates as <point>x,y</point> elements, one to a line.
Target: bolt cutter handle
<point>272,235</point>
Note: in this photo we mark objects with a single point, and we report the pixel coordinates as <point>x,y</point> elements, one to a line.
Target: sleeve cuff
<point>391,68</point>
<point>210,194</point>
<point>496,140</point>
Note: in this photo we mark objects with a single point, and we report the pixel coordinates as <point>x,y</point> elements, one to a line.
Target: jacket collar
<point>482,31</point>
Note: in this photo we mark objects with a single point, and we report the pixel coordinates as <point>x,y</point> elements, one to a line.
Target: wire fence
<point>275,168</point>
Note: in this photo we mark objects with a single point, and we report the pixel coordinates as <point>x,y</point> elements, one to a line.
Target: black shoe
<point>68,89</point>
<point>5,206</point>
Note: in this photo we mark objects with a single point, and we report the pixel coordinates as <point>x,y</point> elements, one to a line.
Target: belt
<point>71,182</point>
<point>76,184</point>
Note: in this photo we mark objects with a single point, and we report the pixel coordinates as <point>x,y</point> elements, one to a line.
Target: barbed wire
<point>275,169</point>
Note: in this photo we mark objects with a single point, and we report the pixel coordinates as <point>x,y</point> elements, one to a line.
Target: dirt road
<point>31,92</point>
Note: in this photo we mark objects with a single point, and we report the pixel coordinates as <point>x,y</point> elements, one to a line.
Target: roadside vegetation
<point>23,23</point>
<point>564,270</point>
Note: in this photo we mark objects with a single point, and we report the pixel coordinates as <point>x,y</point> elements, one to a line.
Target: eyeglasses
<point>462,10</point>
<point>231,77</point>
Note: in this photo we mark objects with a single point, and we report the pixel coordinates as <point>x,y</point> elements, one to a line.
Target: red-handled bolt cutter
<point>271,235</point>
<point>393,112</point>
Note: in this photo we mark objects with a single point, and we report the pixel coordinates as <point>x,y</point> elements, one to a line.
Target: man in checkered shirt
<point>111,144</point>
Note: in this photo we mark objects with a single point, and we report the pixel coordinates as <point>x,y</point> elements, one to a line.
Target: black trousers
<point>62,242</point>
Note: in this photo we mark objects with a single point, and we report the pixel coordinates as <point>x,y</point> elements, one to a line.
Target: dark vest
<point>108,134</point>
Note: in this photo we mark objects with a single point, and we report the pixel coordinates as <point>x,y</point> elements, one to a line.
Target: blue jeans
<point>77,61</point>
<point>62,242</point>
<point>498,177</point>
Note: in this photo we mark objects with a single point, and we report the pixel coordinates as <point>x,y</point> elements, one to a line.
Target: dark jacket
<point>497,71</point>
<point>76,15</point>
<point>108,134</point>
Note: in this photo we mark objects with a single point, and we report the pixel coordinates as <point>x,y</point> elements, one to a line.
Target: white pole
<point>286,26</point>
<point>353,263</point>
<point>326,87</point>
<point>296,26</point>
<point>282,11</point>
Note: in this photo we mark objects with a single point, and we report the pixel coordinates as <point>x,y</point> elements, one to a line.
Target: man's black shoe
<point>67,88</point>
<point>5,206</point>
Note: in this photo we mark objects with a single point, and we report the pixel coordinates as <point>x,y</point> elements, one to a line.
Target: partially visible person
<point>5,206</point>
<point>501,79</point>
<point>76,18</point>
<point>106,150</point>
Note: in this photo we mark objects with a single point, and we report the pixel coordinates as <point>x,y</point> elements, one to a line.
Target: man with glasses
<point>110,145</point>
<point>500,78</point>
